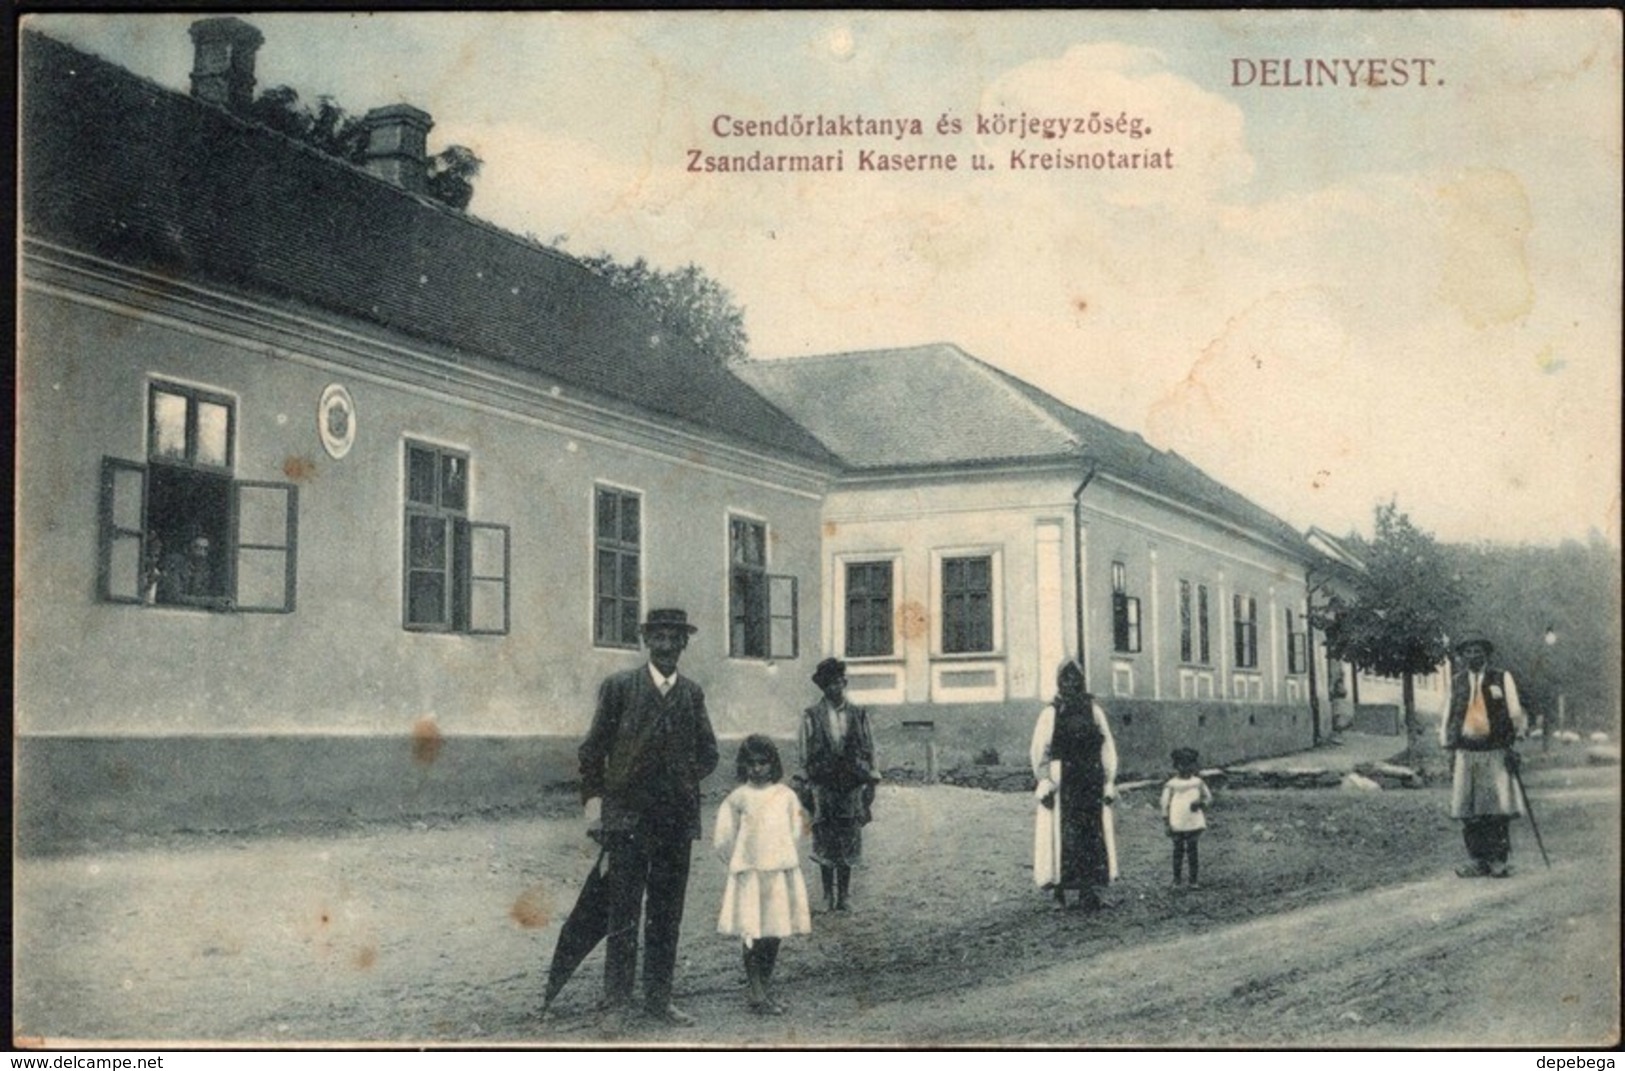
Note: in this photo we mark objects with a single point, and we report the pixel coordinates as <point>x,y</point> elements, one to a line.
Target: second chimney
<point>223,61</point>
<point>397,145</point>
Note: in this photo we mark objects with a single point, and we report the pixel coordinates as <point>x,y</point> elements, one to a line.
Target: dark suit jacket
<point>841,772</point>
<point>646,755</point>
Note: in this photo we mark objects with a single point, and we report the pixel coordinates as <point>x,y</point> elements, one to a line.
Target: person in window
<point>1482,720</point>
<point>186,574</point>
<point>649,747</point>
<point>1074,761</point>
<point>838,780</point>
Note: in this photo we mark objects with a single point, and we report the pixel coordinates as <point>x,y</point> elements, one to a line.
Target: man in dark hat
<point>649,747</point>
<point>1482,721</point>
<point>838,768</point>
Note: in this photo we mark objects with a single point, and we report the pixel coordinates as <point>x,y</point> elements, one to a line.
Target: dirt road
<point>1330,918</point>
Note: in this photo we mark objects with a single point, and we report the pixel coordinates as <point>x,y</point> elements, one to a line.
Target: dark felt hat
<point>1473,638</point>
<point>830,669</point>
<point>668,619</point>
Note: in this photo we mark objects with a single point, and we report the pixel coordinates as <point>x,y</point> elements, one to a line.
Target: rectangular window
<point>1125,613</point>
<point>762,618</point>
<point>1245,613</point>
<point>1203,655</point>
<point>967,605</point>
<point>1187,636</point>
<point>868,609</point>
<point>1297,644</point>
<point>455,570</point>
<point>1193,628</point>
<point>617,572</point>
<point>180,530</point>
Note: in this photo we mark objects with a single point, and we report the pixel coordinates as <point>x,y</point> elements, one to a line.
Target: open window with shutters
<point>456,570</point>
<point>1125,613</point>
<point>1244,615</point>
<point>1297,643</point>
<point>180,530</point>
<point>762,606</point>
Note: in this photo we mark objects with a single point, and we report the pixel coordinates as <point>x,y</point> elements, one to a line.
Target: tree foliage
<point>1402,607</point>
<point>686,301</point>
<point>1517,594</point>
<point>328,127</point>
<point>1400,611</point>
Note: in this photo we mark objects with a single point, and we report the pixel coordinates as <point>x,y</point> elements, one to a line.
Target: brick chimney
<point>223,61</point>
<point>397,145</point>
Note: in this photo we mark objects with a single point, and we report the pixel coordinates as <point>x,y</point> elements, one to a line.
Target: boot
<point>827,874</point>
<point>843,881</point>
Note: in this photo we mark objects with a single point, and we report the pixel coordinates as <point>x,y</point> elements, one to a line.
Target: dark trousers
<point>1185,848</point>
<point>643,865</point>
<point>1488,838</point>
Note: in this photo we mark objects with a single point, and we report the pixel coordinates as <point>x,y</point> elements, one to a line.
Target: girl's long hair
<point>757,746</point>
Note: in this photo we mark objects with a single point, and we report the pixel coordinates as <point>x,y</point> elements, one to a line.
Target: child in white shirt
<point>1185,799</point>
<point>765,897</point>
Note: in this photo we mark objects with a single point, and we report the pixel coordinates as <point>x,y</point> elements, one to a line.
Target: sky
<point>1335,296</point>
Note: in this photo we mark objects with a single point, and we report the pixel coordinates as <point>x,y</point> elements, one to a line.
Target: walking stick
<point>1512,768</point>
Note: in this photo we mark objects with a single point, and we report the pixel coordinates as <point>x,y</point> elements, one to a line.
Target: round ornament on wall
<point>335,421</point>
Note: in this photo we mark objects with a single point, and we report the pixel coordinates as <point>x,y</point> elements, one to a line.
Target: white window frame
<point>592,559</point>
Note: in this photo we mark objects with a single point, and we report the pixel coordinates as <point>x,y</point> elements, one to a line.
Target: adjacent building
<point>980,532</point>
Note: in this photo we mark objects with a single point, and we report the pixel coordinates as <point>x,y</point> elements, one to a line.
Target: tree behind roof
<point>686,300</point>
<point>328,127</point>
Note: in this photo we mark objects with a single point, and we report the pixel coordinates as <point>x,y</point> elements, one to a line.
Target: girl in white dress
<point>765,896</point>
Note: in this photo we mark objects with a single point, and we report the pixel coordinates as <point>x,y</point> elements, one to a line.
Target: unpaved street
<point>1329,918</point>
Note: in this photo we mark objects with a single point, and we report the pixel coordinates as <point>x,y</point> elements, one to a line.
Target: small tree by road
<point>1401,609</point>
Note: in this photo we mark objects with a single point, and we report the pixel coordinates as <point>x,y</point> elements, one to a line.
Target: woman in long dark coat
<point>838,774</point>
<point>1074,760</point>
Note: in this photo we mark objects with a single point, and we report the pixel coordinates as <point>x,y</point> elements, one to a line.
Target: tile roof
<point>119,167</point>
<point>924,406</point>
<point>937,406</point>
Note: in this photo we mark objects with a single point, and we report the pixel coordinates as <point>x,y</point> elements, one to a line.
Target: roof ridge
<point>844,355</point>
<point>1004,379</point>
<point>246,123</point>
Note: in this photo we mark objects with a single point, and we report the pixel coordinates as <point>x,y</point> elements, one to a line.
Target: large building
<point>981,532</point>
<point>319,479</point>
<point>334,500</point>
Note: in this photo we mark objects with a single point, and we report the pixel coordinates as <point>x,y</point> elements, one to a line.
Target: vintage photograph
<point>818,529</point>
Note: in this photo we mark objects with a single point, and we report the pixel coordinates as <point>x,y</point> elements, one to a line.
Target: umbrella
<point>587,925</point>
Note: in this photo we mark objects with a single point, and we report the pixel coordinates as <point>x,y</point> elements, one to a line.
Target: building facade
<point>332,497</point>
<point>335,501</point>
<point>981,532</point>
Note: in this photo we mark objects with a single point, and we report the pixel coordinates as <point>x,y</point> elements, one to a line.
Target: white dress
<point>756,834</point>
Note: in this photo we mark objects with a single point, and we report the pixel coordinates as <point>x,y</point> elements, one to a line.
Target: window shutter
<point>782,604</point>
<point>121,563</point>
<point>484,568</point>
<point>265,528</point>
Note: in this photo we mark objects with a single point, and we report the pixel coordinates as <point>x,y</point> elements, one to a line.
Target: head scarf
<point>1070,692</point>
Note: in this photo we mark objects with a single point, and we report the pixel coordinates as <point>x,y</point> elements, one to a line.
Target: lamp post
<point>1546,737</point>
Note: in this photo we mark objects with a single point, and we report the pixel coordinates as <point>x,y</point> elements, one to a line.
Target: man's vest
<point>1493,691</point>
